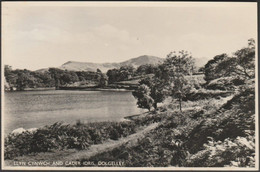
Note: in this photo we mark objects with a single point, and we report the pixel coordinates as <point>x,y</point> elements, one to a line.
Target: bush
<point>60,136</point>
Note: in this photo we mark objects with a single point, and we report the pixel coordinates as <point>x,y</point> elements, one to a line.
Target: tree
<point>180,87</point>
<point>112,75</point>
<point>142,94</point>
<point>43,79</point>
<point>103,80</point>
<point>145,69</point>
<point>246,60</point>
<point>157,92</point>
<point>24,80</point>
<point>56,75</point>
<point>10,76</point>
<point>98,70</point>
<point>241,65</point>
<point>173,71</point>
<point>210,67</point>
<point>69,77</point>
<point>126,72</point>
<point>121,74</point>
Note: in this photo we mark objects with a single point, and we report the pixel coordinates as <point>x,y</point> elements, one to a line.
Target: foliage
<point>237,152</point>
<point>225,83</point>
<point>145,69</point>
<point>173,71</point>
<point>103,80</point>
<point>142,94</point>
<point>60,136</point>
<point>121,74</point>
<point>210,67</point>
<point>157,93</point>
<point>208,94</point>
<point>10,76</point>
<point>22,79</point>
<point>241,65</point>
<point>218,138</point>
<point>67,136</point>
<point>245,65</point>
<point>63,77</point>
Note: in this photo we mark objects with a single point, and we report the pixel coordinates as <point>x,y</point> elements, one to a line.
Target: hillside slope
<point>104,67</point>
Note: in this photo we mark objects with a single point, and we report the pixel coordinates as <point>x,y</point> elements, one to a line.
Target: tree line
<point>170,77</point>
<point>54,77</point>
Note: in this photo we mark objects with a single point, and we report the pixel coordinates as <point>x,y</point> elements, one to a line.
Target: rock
<point>18,131</point>
<point>32,129</point>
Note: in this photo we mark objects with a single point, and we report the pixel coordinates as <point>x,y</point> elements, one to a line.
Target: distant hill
<point>141,60</point>
<point>87,66</point>
<point>104,67</point>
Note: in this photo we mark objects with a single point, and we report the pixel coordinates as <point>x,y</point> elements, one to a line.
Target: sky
<point>37,35</point>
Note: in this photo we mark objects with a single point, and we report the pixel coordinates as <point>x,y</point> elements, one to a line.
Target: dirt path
<point>111,144</point>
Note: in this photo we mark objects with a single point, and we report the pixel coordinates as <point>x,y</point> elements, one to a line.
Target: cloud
<point>110,32</point>
<point>48,34</point>
<point>103,34</point>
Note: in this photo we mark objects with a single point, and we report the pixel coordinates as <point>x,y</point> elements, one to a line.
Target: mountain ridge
<point>104,67</point>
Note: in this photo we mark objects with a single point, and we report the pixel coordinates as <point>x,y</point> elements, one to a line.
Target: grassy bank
<point>221,136</point>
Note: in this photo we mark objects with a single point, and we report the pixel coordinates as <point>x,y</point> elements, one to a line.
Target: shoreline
<point>73,88</point>
<point>123,119</point>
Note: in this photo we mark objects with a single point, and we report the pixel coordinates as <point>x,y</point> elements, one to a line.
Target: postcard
<point>129,86</point>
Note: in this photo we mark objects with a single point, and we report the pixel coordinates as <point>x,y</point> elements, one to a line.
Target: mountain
<point>87,66</point>
<point>141,60</point>
<point>104,67</point>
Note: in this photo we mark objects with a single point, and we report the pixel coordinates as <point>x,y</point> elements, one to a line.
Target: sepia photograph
<point>129,85</point>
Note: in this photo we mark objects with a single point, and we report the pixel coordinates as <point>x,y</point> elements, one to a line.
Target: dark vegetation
<point>193,138</point>
<point>61,136</point>
<point>78,136</point>
<point>203,124</point>
<point>54,77</point>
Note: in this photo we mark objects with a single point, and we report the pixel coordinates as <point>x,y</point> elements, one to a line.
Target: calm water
<point>33,109</point>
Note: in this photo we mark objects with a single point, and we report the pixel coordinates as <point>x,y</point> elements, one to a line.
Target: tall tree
<point>173,72</point>
<point>56,75</point>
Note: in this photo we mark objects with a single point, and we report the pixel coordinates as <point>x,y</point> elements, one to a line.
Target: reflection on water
<point>31,109</point>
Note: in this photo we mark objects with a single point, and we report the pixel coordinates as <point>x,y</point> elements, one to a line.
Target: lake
<point>34,109</point>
